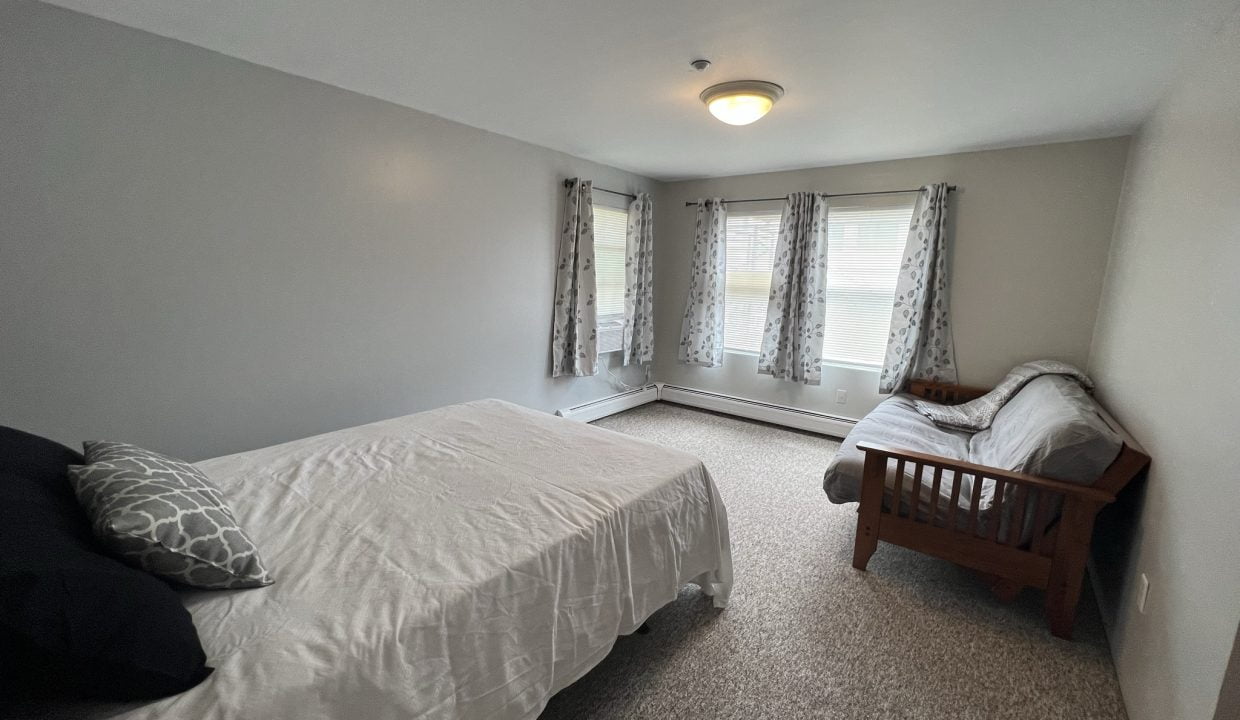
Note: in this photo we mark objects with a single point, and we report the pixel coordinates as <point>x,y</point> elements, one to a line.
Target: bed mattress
<point>466,562</point>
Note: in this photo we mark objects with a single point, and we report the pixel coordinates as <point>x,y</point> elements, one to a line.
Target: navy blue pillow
<point>37,458</point>
<point>74,622</point>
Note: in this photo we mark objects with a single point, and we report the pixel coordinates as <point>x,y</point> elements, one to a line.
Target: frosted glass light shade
<point>740,109</point>
<point>741,102</point>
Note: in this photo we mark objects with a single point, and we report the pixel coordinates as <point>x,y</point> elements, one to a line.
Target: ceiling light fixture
<point>742,101</point>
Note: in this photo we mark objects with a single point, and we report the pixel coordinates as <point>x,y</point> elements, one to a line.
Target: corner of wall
<point>1134,141</point>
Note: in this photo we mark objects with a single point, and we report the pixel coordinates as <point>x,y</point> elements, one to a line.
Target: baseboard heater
<point>810,420</point>
<point>611,405</point>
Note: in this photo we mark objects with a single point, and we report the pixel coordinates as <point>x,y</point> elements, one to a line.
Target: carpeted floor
<point>807,636</point>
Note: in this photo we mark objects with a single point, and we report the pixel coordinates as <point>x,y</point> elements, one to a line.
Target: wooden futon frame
<point>1052,558</point>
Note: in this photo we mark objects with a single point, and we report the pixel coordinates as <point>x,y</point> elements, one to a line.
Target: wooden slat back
<point>914,493</point>
<point>1016,527</point>
<point>934,493</point>
<point>1041,519</point>
<point>975,504</point>
<point>996,511</point>
<point>953,503</point>
<point>898,487</point>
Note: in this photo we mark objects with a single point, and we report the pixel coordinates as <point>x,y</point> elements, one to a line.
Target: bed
<point>466,562</point>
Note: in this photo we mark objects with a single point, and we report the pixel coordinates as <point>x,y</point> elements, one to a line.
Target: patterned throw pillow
<point>163,515</point>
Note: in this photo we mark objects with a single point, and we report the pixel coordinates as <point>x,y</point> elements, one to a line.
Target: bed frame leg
<point>865,545</point>
<point>870,512</point>
<point>1068,566</point>
<point>1061,606</point>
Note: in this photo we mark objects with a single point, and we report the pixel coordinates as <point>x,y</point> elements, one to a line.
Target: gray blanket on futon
<point>977,415</point>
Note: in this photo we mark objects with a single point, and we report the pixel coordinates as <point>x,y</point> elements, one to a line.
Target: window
<point>865,243</point>
<point>610,227</point>
<point>751,237</point>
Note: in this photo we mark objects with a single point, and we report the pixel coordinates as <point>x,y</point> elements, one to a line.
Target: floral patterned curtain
<point>920,344</point>
<point>574,329</point>
<point>797,309</point>
<point>638,339</point>
<point>701,333</point>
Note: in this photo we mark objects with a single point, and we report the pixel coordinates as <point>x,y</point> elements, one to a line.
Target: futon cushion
<point>74,622</point>
<point>894,423</point>
<point>163,515</point>
<point>1051,428</point>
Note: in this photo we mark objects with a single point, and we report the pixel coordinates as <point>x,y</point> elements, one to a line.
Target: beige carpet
<point>807,636</point>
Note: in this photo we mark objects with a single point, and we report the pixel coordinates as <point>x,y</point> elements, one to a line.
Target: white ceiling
<point>610,80</point>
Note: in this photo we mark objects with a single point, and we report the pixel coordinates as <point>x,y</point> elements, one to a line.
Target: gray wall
<point>1030,231</point>
<point>1164,356</point>
<point>202,255</point>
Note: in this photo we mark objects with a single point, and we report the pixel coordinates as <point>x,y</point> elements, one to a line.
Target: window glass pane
<point>610,225</point>
<point>751,237</point>
<point>865,243</point>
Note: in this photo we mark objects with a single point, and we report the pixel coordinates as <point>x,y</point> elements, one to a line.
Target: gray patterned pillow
<point>163,516</point>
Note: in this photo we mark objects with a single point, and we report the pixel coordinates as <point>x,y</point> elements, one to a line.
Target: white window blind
<point>865,243</point>
<point>610,225</point>
<point>751,237</point>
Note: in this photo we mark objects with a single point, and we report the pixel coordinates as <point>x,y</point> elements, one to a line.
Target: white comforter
<point>466,562</point>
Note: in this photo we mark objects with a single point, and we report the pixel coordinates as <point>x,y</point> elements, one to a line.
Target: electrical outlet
<point>1143,591</point>
<point>841,397</point>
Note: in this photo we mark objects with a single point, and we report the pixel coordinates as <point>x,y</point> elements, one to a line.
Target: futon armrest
<point>1007,476</point>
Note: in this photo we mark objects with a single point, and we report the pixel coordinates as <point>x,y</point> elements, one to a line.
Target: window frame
<point>767,207</point>
<point>876,202</point>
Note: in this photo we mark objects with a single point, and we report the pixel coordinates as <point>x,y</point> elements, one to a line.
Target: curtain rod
<point>631,196</point>
<point>950,188</point>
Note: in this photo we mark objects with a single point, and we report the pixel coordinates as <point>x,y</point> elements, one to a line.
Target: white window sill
<point>850,366</point>
<point>825,363</point>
